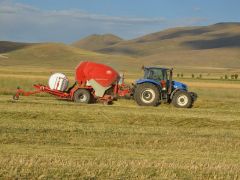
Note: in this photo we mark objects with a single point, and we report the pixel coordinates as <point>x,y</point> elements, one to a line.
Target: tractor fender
<point>141,81</point>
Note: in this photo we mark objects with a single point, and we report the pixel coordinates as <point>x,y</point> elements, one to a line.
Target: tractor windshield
<point>156,74</point>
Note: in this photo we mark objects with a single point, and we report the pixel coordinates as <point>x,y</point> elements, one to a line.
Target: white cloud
<point>6,7</point>
<point>23,9</point>
<point>22,22</point>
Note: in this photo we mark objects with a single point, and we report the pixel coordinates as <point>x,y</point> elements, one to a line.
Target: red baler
<point>94,82</point>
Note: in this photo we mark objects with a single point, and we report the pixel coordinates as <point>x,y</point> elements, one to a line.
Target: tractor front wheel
<point>146,95</point>
<point>182,99</point>
<point>82,96</point>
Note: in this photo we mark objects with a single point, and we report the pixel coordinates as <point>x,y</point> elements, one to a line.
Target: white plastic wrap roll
<point>58,81</point>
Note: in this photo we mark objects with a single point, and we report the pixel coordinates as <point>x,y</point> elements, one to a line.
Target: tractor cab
<point>155,73</point>
<point>162,76</point>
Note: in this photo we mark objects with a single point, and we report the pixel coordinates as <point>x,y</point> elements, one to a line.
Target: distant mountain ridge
<point>220,35</point>
<point>56,56</point>
<point>6,46</point>
<point>216,45</point>
<point>96,42</point>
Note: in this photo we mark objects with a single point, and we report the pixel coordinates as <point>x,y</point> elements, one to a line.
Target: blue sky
<point>70,20</point>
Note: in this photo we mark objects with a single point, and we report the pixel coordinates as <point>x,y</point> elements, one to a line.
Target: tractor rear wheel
<point>82,96</point>
<point>147,94</point>
<point>182,99</point>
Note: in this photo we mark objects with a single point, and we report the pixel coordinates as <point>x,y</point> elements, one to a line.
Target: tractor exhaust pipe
<point>170,82</point>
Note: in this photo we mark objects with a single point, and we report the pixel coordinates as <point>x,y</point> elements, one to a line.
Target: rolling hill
<point>57,55</point>
<point>97,42</point>
<point>221,35</point>
<point>216,45</point>
<point>7,46</point>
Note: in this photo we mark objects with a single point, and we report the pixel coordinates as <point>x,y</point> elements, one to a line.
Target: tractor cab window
<point>156,74</point>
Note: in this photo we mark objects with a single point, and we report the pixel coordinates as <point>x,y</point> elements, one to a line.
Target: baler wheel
<point>15,97</point>
<point>82,96</point>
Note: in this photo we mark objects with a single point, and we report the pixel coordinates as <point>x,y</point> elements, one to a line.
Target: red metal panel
<point>101,73</point>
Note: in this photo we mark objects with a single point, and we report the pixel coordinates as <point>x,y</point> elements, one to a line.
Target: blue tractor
<point>157,86</point>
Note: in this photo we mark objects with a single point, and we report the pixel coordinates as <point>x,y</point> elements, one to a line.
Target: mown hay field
<point>42,137</point>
